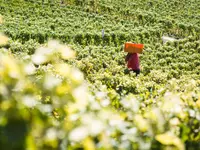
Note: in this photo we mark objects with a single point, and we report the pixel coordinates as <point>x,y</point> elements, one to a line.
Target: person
<point>132,60</point>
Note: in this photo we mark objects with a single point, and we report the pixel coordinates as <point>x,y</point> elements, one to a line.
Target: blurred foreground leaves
<point>45,103</point>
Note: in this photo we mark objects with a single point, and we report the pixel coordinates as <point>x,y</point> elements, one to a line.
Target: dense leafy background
<point>50,106</point>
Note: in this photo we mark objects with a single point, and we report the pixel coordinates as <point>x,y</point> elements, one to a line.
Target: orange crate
<point>133,47</point>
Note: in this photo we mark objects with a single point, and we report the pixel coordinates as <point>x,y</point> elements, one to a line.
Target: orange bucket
<point>133,47</point>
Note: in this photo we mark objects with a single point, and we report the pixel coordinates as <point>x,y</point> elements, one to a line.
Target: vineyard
<point>64,83</point>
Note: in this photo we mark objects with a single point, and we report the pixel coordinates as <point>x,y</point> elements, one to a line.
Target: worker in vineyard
<point>132,60</point>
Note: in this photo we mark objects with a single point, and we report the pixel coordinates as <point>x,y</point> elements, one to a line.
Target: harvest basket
<point>133,47</point>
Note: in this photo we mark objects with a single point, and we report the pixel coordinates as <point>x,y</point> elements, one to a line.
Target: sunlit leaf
<point>1,19</point>
<point>170,139</point>
<point>78,134</point>
<point>3,39</point>
<point>88,144</point>
<point>141,123</point>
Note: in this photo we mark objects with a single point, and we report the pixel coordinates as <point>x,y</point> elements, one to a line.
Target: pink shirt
<point>133,62</point>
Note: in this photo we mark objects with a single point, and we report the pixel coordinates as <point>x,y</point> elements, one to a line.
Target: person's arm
<point>127,57</point>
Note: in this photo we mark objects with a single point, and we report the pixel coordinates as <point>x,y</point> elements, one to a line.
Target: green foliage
<point>52,105</point>
<point>47,103</point>
<point>42,22</point>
